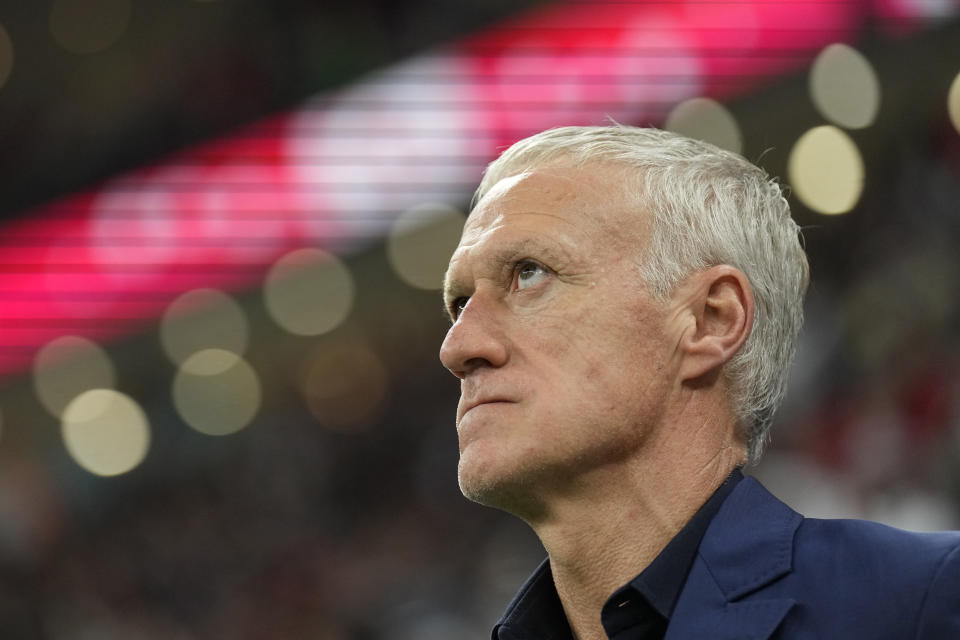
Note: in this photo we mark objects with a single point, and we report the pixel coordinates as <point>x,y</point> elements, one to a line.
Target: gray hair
<point>708,207</point>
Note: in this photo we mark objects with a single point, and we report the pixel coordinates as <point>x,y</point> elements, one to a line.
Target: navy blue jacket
<point>764,572</point>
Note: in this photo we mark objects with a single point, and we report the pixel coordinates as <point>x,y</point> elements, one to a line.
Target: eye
<point>458,305</point>
<point>529,274</point>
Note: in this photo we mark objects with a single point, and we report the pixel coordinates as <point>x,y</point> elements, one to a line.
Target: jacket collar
<point>748,547</point>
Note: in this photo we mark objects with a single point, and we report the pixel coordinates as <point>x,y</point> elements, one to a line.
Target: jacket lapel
<point>748,547</point>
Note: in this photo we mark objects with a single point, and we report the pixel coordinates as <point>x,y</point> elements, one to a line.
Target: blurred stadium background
<point>222,230</point>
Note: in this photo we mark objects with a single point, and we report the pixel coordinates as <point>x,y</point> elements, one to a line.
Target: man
<point>625,304</point>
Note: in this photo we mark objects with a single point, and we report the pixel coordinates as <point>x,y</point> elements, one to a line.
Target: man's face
<point>562,353</point>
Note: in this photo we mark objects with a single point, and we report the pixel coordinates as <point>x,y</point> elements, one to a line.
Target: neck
<point>616,520</point>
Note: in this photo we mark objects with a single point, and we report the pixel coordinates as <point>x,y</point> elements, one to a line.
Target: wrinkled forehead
<point>594,199</point>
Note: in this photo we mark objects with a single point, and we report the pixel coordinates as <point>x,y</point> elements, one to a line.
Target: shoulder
<point>765,571</point>
<point>845,542</point>
<point>841,551</point>
<point>856,572</point>
<point>843,547</point>
<point>883,568</point>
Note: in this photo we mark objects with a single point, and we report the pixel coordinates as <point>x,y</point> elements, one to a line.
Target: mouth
<point>479,403</point>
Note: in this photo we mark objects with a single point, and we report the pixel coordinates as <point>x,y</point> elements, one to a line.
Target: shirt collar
<point>536,611</point>
<point>662,581</point>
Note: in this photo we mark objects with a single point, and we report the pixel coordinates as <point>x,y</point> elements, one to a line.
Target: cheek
<point>613,369</point>
<point>596,343</point>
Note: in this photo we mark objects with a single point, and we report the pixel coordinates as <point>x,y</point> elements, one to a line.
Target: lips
<point>466,407</point>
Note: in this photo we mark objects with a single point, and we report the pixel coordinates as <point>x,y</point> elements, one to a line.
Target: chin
<point>477,478</point>
<point>494,483</point>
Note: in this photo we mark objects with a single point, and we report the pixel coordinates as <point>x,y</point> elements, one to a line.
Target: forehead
<point>587,202</point>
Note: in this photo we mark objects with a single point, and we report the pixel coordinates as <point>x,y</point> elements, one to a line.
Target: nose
<point>474,341</point>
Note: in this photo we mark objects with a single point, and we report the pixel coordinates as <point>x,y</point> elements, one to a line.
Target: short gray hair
<point>708,206</point>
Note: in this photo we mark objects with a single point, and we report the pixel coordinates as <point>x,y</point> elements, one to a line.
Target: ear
<point>719,301</point>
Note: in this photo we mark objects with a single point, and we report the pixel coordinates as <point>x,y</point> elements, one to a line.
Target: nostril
<point>475,363</point>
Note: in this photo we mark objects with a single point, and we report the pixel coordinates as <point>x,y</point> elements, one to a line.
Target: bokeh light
<point>105,432</point>
<point>6,56</point>
<point>953,103</point>
<point>844,87</point>
<point>216,392</point>
<point>344,384</point>
<point>421,242</point>
<point>707,120</point>
<point>309,292</point>
<point>203,319</point>
<point>88,26</point>
<point>826,170</point>
<point>66,367</point>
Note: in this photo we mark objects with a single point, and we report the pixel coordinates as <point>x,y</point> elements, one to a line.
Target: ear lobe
<point>720,301</point>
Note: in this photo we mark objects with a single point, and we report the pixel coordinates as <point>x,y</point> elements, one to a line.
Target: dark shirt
<point>639,610</point>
